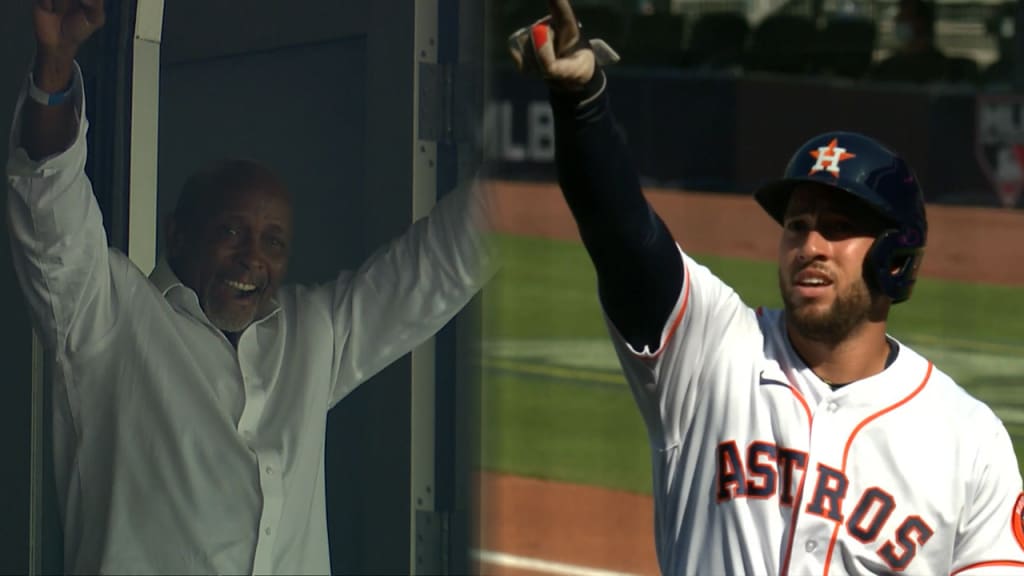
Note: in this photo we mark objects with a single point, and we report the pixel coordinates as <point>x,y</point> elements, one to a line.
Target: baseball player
<point>797,441</point>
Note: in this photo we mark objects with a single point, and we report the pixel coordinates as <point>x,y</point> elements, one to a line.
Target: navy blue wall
<point>720,132</point>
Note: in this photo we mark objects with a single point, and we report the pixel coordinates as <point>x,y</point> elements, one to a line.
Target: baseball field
<point>566,474</point>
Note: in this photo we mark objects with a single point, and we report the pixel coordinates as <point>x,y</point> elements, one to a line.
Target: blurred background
<point>714,94</point>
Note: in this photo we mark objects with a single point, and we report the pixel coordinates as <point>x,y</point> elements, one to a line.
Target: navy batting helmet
<point>881,179</point>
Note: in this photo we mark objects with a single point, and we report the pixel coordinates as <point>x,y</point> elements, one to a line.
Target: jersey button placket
<point>813,532</point>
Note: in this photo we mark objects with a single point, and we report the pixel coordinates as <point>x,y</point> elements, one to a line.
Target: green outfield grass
<point>555,404</point>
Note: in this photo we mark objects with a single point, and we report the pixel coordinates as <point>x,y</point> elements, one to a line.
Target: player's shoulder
<point>710,292</point>
<point>944,394</point>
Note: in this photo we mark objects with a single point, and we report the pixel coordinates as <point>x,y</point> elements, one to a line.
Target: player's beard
<point>850,308</point>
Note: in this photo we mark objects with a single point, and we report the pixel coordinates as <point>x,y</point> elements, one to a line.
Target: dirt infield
<point>969,244</point>
<point>566,523</point>
<point>552,528</point>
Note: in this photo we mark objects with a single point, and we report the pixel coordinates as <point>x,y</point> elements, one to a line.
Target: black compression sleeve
<point>639,269</point>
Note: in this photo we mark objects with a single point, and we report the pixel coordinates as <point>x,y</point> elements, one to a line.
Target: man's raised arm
<point>58,242</point>
<point>639,268</point>
<point>61,26</point>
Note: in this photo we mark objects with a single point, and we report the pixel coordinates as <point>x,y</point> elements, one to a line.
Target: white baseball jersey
<point>761,468</point>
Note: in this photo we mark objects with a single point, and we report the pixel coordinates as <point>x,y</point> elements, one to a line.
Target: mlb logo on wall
<point>999,144</point>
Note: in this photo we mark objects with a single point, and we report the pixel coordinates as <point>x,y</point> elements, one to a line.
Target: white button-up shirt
<point>175,452</point>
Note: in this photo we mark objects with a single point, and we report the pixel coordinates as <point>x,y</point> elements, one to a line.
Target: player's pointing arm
<point>639,268</point>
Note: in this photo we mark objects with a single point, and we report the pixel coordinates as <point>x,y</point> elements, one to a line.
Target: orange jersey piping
<point>1014,563</point>
<point>795,512</point>
<point>679,317</point>
<point>849,442</point>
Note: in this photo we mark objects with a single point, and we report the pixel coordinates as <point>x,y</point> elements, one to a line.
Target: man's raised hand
<point>62,26</point>
<point>554,48</point>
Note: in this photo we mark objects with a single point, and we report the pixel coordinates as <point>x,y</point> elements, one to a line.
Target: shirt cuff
<point>18,162</point>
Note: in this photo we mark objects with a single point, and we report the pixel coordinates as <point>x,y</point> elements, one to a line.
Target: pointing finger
<point>561,12</point>
<point>564,22</point>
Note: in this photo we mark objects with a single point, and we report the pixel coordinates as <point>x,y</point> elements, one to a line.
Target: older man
<point>191,406</point>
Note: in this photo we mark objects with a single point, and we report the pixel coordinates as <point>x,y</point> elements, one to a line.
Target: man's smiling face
<point>231,244</point>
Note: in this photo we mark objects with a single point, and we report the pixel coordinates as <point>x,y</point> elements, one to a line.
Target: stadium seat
<point>963,70</point>
<point>717,41</point>
<point>782,43</point>
<point>654,40</point>
<point>844,47</point>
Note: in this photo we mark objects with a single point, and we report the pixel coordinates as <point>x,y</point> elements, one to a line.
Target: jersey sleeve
<point>709,326</point>
<point>990,538</point>
<point>410,288</point>
<point>668,315</point>
<point>633,252</point>
<point>58,242</point>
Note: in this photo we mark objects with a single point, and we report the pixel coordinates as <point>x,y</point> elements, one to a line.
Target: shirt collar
<point>164,278</point>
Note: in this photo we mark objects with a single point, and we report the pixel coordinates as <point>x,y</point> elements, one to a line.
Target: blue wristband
<point>45,98</point>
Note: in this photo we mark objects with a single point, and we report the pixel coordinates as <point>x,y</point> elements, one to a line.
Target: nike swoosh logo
<point>770,382</point>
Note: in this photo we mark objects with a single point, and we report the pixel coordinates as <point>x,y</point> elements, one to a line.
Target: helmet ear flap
<point>892,263</point>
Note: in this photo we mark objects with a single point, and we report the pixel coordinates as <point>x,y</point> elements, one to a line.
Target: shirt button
<point>811,545</point>
<point>269,470</point>
<point>267,530</point>
<point>832,406</point>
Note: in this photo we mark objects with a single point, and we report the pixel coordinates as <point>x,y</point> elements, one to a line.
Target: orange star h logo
<point>829,157</point>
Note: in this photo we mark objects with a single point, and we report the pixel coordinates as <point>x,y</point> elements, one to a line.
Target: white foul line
<point>537,565</point>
